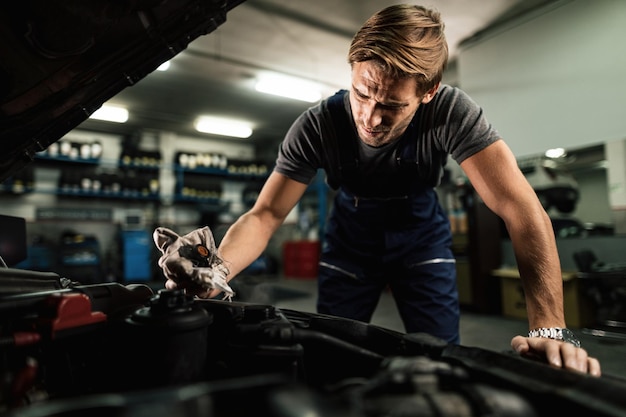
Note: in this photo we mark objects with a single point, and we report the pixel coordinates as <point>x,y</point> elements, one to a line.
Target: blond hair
<point>406,41</point>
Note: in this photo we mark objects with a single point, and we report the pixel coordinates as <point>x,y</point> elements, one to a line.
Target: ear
<point>164,237</point>
<point>430,94</point>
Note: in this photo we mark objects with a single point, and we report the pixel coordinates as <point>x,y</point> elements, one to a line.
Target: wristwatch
<point>556,333</point>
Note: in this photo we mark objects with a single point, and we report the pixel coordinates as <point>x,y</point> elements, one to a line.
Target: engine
<point>123,350</point>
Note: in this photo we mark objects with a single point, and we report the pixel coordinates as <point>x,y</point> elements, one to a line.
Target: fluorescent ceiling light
<point>223,127</point>
<point>110,113</point>
<point>555,153</point>
<point>290,87</point>
<point>164,66</point>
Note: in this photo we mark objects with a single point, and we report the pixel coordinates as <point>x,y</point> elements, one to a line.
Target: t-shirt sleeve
<point>464,130</point>
<point>299,152</point>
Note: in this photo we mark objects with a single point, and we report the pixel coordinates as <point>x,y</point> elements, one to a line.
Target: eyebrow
<point>389,104</point>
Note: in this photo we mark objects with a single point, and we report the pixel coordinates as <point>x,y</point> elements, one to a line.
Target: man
<point>383,146</point>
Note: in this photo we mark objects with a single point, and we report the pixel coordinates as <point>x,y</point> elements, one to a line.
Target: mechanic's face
<point>382,107</point>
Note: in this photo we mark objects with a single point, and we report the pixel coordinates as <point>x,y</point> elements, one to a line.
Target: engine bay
<point>125,350</point>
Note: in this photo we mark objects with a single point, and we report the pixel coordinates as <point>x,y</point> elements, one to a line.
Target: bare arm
<point>246,239</point>
<point>495,175</point>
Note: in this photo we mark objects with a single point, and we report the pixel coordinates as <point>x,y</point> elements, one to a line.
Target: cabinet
<point>301,259</point>
<point>68,170</point>
<point>579,311</point>
<point>314,207</point>
<point>136,250</point>
<point>79,258</point>
<point>484,251</point>
<point>90,193</point>
<point>476,244</point>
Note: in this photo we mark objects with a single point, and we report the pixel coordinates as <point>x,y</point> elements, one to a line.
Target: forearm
<point>245,241</point>
<point>539,267</point>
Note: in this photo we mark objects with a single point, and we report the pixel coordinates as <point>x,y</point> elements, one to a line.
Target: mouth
<point>373,132</point>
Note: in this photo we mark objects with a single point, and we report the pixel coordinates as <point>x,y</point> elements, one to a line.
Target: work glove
<point>191,261</point>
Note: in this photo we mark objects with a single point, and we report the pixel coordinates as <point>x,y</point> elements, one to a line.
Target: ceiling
<point>307,39</point>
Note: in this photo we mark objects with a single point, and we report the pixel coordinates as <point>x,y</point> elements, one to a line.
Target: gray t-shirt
<point>450,124</point>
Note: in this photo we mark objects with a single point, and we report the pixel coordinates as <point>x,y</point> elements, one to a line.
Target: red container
<point>301,258</point>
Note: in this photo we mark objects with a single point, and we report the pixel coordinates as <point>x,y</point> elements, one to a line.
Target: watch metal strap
<point>555,333</point>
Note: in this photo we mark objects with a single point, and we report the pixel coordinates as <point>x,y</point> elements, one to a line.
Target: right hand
<point>190,262</point>
<point>193,289</point>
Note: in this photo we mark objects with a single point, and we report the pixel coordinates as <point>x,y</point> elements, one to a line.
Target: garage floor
<point>477,330</point>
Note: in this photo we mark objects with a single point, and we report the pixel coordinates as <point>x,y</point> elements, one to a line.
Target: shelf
<point>137,176</point>
<point>66,159</point>
<point>99,194</point>
<point>139,167</point>
<point>209,206</point>
<point>179,198</point>
<point>219,172</point>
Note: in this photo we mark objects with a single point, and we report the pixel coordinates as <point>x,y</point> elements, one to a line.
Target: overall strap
<point>417,159</point>
<point>406,154</point>
<point>336,128</point>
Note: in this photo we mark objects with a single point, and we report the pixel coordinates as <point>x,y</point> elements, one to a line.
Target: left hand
<point>557,353</point>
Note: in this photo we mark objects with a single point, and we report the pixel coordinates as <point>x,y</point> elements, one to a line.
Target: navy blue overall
<point>387,232</point>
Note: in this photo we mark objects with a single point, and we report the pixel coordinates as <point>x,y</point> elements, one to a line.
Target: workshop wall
<point>553,78</point>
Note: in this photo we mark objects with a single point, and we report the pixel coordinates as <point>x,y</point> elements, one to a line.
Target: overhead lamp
<point>223,127</point>
<point>110,113</point>
<point>290,87</point>
<point>164,66</point>
<point>555,153</point>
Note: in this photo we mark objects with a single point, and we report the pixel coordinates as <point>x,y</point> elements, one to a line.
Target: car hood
<point>60,60</point>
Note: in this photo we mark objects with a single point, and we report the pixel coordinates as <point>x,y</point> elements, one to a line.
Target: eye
<point>359,95</point>
<point>390,108</point>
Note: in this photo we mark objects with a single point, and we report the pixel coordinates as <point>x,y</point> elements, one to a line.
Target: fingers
<point>520,344</point>
<point>557,353</point>
<point>594,368</point>
<point>192,289</point>
<point>170,285</point>
<point>212,293</point>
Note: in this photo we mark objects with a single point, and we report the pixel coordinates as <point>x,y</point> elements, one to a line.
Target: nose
<point>371,115</point>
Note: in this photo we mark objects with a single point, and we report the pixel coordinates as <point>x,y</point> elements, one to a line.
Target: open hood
<point>60,60</point>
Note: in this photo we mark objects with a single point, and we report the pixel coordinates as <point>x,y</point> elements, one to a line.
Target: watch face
<point>569,337</point>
